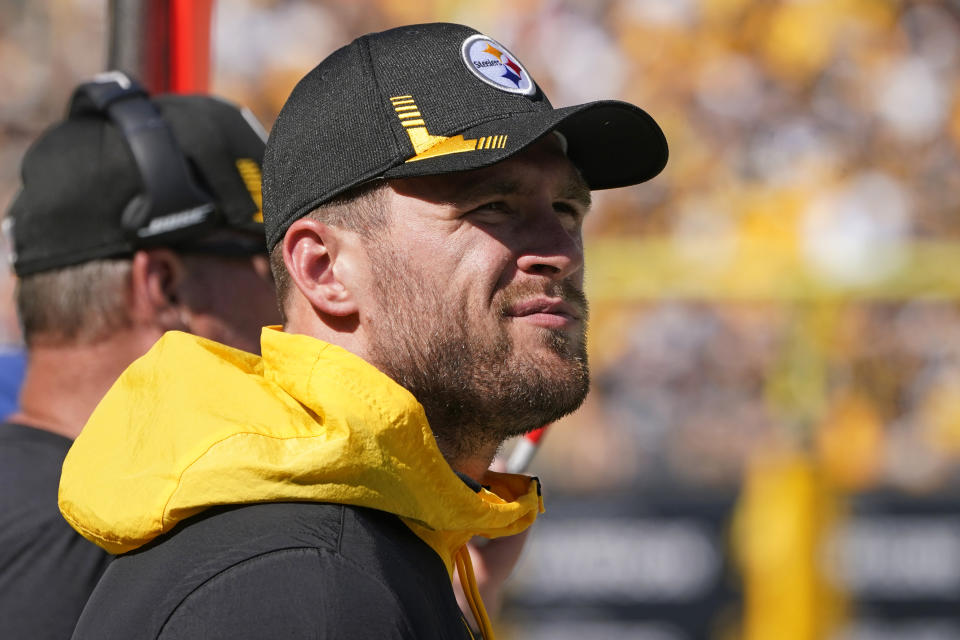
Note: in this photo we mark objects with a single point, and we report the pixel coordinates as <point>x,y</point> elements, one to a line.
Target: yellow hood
<point>193,424</point>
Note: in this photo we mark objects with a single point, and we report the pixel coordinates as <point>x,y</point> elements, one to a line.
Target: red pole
<point>156,46</point>
<point>189,39</point>
<point>163,43</point>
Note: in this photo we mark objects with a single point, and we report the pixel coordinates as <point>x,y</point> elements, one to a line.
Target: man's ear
<point>312,252</point>
<point>157,277</point>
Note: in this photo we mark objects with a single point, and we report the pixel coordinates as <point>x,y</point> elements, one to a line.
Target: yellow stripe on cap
<point>427,145</point>
<point>252,179</point>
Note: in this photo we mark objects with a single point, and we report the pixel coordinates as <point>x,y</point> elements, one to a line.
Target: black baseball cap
<point>125,171</point>
<point>430,99</point>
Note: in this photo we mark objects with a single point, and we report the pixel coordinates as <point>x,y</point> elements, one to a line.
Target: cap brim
<point>612,143</point>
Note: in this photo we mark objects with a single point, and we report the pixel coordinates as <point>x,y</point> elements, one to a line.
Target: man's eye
<point>491,209</point>
<point>568,211</point>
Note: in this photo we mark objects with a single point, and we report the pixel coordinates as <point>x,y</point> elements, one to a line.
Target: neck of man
<point>64,382</point>
<point>473,466</point>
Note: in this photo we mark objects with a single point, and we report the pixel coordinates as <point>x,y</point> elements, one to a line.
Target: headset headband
<point>173,206</point>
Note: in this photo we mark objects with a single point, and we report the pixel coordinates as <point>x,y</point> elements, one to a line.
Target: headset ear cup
<point>135,215</point>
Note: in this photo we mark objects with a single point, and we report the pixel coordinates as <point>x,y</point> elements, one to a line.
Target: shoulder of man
<point>278,570</point>
<point>38,549</point>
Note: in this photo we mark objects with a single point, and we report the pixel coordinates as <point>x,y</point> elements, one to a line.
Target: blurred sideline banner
<point>898,558</point>
<point>648,566</point>
<point>782,560</point>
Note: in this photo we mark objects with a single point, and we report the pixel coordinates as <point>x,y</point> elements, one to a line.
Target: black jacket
<point>47,569</point>
<point>278,570</point>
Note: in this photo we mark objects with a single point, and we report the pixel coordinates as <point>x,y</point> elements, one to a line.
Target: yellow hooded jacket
<point>193,424</point>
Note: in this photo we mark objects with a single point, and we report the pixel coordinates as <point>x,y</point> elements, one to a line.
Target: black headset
<point>173,206</point>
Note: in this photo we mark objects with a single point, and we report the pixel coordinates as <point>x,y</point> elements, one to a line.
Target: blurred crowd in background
<point>787,288</point>
<point>796,260</point>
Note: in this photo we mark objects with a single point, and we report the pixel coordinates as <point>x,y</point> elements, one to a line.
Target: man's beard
<point>477,389</point>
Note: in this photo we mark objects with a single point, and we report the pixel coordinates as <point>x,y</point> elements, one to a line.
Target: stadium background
<point>770,449</point>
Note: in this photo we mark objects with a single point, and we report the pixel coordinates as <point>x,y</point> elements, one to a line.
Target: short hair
<point>362,210</point>
<point>78,304</point>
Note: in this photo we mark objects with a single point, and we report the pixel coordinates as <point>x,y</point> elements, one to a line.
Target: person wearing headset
<point>137,215</point>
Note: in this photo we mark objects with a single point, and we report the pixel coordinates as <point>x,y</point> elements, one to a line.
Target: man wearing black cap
<point>423,204</point>
<point>136,216</point>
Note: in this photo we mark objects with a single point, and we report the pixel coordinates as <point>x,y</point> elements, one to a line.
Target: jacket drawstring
<point>469,583</point>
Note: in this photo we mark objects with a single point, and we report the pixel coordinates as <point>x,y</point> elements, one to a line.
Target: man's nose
<point>551,249</point>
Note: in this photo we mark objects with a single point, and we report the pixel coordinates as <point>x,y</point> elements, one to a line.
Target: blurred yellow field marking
<point>626,270</point>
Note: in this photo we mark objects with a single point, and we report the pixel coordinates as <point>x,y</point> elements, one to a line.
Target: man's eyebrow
<point>486,188</point>
<point>575,190</point>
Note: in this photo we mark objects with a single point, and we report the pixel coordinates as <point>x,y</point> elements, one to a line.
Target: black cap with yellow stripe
<point>126,171</point>
<point>430,99</point>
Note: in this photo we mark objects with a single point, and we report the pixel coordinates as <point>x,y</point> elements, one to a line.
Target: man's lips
<point>549,312</point>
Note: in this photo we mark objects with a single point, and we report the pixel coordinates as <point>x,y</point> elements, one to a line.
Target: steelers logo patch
<point>491,62</point>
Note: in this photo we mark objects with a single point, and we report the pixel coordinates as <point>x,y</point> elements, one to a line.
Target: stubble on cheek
<point>461,362</point>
